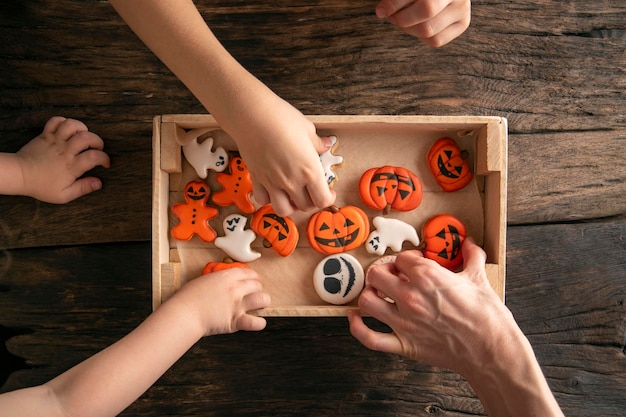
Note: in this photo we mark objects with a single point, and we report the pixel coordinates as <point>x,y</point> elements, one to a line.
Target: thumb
<point>322,144</point>
<point>474,258</point>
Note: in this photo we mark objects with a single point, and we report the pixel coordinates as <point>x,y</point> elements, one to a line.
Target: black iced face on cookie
<point>338,279</point>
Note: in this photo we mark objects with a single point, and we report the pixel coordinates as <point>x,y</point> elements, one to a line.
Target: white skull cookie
<point>339,279</point>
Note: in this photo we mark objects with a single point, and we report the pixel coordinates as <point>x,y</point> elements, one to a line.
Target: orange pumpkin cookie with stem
<point>237,187</point>
<point>279,233</point>
<point>194,215</point>
<point>390,187</point>
<point>336,230</point>
<point>449,165</point>
<point>443,236</point>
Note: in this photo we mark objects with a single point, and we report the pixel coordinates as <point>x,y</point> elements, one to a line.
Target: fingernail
<point>96,185</point>
<point>381,12</point>
<point>326,142</point>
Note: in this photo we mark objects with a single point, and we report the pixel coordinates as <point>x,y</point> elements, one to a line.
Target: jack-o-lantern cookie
<point>202,157</point>
<point>337,230</point>
<point>444,235</point>
<point>194,215</point>
<point>279,233</point>
<point>237,187</point>
<point>390,187</point>
<point>339,279</point>
<point>237,239</point>
<point>330,161</point>
<point>390,233</point>
<point>448,165</point>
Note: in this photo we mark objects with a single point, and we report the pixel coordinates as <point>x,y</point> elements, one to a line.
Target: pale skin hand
<point>434,22</point>
<point>111,380</point>
<point>49,167</point>
<point>279,145</point>
<point>455,321</point>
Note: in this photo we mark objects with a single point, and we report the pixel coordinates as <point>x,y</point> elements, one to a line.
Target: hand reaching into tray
<point>434,22</point>
<point>278,144</point>
<point>111,380</point>
<point>50,166</point>
<point>455,321</point>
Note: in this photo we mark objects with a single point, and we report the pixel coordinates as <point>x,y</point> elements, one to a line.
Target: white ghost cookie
<point>202,157</point>
<point>330,161</point>
<point>237,240</point>
<point>339,279</point>
<point>390,233</point>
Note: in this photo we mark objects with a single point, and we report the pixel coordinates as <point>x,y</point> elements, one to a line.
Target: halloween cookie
<point>280,233</point>
<point>237,187</point>
<point>444,235</point>
<point>338,279</point>
<point>202,157</point>
<point>237,240</point>
<point>448,165</point>
<point>194,214</point>
<point>390,233</point>
<point>330,161</point>
<point>336,230</point>
<point>390,187</point>
<point>220,266</point>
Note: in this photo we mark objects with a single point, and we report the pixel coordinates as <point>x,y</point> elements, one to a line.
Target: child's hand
<point>434,22</point>
<point>285,169</point>
<point>220,301</point>
<point>52,163</point>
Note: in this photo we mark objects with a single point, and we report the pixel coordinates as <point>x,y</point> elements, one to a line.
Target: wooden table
<point>75,278</point>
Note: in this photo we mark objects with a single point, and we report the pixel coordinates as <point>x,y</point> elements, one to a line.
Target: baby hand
<point>53,162</point>
<point>222,301</point>
<point>434,22</point>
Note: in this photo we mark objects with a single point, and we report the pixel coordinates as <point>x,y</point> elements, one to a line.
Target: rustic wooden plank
<point>566,293</point>
<point>521,61</point>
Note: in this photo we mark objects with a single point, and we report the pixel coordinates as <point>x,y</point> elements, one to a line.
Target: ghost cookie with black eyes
<point>330,161</point>
<point>339,279</point>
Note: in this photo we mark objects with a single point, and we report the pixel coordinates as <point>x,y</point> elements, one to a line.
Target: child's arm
<point>279,145</point>
<point>434,22</point>
<point>458,322</point>
<point>111,380</point>
<point>49,167</point>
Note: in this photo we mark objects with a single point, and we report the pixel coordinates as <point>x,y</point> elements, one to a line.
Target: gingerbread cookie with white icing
<point>339,279</point>
<point>390,233</point>
<point>330,161</point>
<point>237,239</point>
<point>202,157</point>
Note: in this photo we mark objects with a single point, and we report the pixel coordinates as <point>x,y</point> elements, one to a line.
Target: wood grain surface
<point>75,278</point>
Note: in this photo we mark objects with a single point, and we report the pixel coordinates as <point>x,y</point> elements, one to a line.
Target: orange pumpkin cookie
<point>279,232</point>
<point>451,170</point>
<point>444,235</point>
<point>337,230</point>
<point>390,187</point>
<point>194,215</point>
<point>221,266</point>
<point>237,187</point>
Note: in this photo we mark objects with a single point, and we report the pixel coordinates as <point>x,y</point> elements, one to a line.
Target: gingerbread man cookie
<point>237,187</point>
<point>194,215</point>
<point>236,240</point>
<point>390,233</point>
<point>201,157</point>
<point>330,160</point>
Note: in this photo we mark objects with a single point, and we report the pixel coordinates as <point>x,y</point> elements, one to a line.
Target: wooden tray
<point>364,142</point>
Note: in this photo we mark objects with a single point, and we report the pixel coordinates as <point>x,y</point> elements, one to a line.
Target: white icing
<point>329,161</point>
<point>390,233</point>
<point>237,240</point>
<point>202,158</point>
<point>339,279</point>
